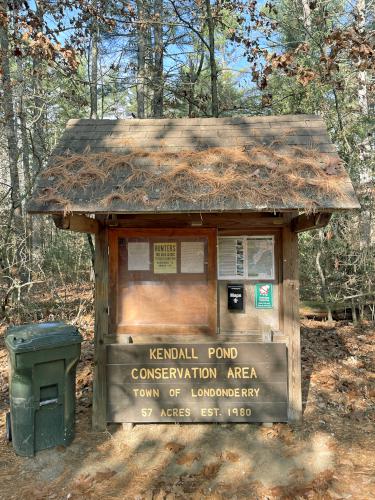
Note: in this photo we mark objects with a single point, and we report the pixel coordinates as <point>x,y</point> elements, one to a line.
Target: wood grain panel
<point>320,142</point>
<point>177,122</point>
<point>143,140</point>
<point>188,338</point>
<point>153,303</point>
<point>250,319</point>
<point>235,131</point>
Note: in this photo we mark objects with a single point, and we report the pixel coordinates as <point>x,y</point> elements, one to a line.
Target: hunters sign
<point>241,382</point>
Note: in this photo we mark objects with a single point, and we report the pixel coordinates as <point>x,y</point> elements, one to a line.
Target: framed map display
<point>260,257</point>
<point>246,257</point>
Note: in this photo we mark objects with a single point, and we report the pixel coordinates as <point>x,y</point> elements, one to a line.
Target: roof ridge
<point>232,120</point>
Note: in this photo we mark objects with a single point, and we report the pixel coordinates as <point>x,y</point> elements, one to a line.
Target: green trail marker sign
<point>263,296</point>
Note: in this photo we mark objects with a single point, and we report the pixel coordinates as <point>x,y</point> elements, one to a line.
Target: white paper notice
<point>192,257</point>
<point>138,256</point>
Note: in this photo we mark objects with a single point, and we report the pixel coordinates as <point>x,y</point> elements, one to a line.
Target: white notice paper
<point>192,257</point>
<point>138,256</point>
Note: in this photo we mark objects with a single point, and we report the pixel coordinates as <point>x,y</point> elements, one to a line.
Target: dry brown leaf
<point>210,471</point>
<point>174,447</point>
<point>104,475</point>
<point>230,456</point>
<point>83,483</point>
<point>188,458</point>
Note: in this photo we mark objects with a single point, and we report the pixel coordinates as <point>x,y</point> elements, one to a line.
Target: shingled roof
<point>194,165</point>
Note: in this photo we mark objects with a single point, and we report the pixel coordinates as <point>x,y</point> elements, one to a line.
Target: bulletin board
<point>163,281</point>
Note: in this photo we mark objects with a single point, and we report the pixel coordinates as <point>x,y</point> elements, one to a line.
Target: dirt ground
<point>330,455</point>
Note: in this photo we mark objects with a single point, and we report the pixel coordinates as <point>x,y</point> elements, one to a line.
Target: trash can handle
<point>48,402</point>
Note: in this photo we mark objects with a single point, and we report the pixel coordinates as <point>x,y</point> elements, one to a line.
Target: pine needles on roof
<point>254,176</point>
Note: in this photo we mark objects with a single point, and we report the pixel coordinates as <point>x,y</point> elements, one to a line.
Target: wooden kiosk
<point>196,226</point>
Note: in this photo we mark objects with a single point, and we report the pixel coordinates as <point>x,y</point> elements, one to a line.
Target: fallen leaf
<point>188,458</point>
<point>104,475</point>
<point>210,471</point>
<point>83,483</point>
<point>174,447</point>
<point>230,456</point>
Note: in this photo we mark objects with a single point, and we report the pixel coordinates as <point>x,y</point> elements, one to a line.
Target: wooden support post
<point>128,426</point>
<point>99,404</point>
<point>291,322</point>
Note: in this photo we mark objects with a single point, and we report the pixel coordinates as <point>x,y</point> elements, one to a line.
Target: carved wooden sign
<point>213,382</point>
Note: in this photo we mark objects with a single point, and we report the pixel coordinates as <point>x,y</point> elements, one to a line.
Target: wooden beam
<point>112,220</point>
<point>224,220</point>
<point>78,223</point>
<point>306,222</point>
<point>291,322</point>
<point>157,338</point>
<point>99,403</point>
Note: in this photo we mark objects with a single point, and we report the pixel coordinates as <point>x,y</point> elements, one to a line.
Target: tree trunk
<point>324,291</point>
<point>38,112</point>
<point>9,116</point>
<point>38,128</point>
<point>213,66</point>
<point>158,82</point>
<point>38,120</point>
<point>93,109</point>
<point>92,254</point>
<point>94,71</point>
<point>102,94</point>
<point>191,89</point>
<point>25,148</point>
<point>15,222</point>
<point>365,149</point>
<point>141,58</point>
<point>193,78</point>
<point>306,17</point>
<point>354,313</point>
<point>362,75</point>
<point>23,128</point>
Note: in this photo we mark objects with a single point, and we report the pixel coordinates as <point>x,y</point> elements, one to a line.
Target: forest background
<point>62,59</point>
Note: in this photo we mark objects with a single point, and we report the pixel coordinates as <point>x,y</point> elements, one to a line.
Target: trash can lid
<point>38,336</point>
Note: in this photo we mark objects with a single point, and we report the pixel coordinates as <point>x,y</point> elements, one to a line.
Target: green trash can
<point>43,359</point>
